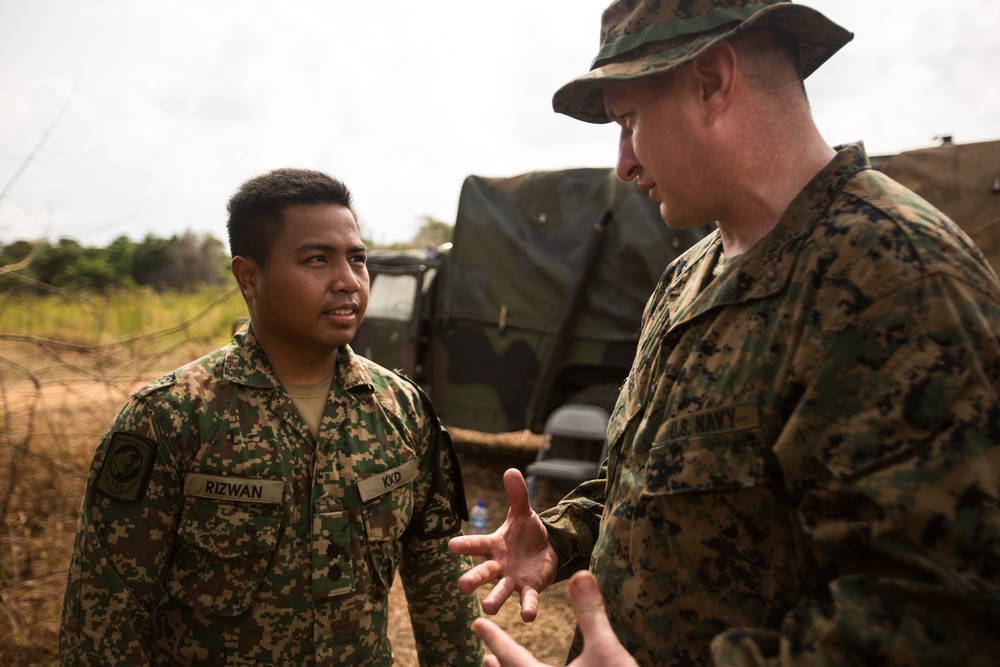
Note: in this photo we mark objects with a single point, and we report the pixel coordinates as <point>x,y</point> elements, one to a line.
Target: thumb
<point>588,607</point>
<point>517,491</point>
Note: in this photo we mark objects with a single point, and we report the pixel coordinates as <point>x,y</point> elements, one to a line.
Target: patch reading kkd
<point>269,491</point>
<point>384,482</point>
<point>127,466</point>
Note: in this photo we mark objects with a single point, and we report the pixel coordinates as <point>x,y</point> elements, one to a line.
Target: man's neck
<point>767,189</point>
<point>298,367</point>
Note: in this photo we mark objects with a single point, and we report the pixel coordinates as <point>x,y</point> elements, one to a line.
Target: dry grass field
<point>57,396</point>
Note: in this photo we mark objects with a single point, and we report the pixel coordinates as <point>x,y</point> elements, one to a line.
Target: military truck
<point>536,303</point>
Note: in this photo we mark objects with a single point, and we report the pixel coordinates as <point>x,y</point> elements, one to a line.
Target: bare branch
<point>24,263</point>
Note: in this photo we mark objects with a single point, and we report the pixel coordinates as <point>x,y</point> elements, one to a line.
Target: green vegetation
<point>432,232</point>
<point>181,262</point>
<point>120,316</point>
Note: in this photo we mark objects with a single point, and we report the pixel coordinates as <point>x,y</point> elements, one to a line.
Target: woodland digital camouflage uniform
<point>246,544</point>
<point>804,458</point>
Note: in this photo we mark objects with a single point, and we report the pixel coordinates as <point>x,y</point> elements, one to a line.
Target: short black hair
<point>256,211</point>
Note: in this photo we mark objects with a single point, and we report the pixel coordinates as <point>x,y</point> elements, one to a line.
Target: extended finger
<point>507,652</point>
<point>529,604</point>
<point>588,607</point>
<point>499,595</point>
<point>471,545</point>
<point>480,574</point>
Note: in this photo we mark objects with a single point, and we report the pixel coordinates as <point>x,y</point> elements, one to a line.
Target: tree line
<point>181,262</point>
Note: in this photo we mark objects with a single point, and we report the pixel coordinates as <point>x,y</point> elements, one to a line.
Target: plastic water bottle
<point>532,484</point>
<point>479,518</point>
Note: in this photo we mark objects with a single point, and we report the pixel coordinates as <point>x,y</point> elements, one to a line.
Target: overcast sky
<point>159,109</point>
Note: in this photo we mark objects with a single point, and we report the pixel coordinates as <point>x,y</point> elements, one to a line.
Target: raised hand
<point>518,554</point>
<point>601,647</point>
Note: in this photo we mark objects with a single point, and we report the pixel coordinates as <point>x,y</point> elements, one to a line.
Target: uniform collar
<point>351,374</point>
<point>765,269</point>
<point>247,364</point>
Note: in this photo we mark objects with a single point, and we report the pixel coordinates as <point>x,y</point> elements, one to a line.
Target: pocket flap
<point>228,530</point>
<point>711,450</point>
<point>718,462</point>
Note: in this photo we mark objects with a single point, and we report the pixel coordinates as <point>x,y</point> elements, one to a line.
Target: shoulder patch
<point>159,383</point>
<point>125,472</point>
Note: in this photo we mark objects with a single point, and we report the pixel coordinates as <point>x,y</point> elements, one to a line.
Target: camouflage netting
<point>527,235</point>
<point>963,180</point>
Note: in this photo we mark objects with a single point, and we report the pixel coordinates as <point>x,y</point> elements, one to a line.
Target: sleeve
<point>573,525</point>
<point>902,421</point>
<point>123,545</point>
<point>441,615</point>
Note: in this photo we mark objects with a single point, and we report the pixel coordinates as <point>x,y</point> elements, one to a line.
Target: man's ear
<point>246,272</point>
<point>715,70</point>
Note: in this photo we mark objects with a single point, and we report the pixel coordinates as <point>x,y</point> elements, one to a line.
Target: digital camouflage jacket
<point>805,458</point>
<point>216,530</point>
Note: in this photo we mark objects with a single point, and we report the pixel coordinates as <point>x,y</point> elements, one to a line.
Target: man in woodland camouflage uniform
<point>252,507</point>
<point>803,462</point>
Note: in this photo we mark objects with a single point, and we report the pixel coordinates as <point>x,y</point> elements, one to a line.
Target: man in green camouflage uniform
<point>253,507</point>
<point>803,461</point>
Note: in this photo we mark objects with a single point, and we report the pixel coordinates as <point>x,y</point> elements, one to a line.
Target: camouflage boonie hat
<point>644,37</point>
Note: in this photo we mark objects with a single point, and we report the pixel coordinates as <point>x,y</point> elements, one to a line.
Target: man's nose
<point>627,168</point>
<point>345,278</point>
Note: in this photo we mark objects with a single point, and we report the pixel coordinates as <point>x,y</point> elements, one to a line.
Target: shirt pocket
<point>224,550</point>
<point>332,561</point>
<point>721,449</point>
<point>729,462</point>
<point>713,510</point>
<point>385,519</point>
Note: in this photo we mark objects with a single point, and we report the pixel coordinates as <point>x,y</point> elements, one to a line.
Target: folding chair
<point>574,444</point>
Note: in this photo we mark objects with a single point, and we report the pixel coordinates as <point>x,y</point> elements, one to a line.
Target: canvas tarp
<point>963,181</point>
<point>519,245</point>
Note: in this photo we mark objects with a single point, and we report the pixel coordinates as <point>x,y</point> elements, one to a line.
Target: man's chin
<point>343,338</point>
<point>674,220</point>
<point>665,215</point>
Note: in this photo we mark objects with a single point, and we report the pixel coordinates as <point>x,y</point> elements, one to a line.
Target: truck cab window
<point>391,297</point>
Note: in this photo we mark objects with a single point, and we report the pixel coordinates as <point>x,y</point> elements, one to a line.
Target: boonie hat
<point>640,38</point>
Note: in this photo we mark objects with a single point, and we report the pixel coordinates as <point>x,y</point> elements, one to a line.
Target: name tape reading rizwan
<point>234,488</point>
